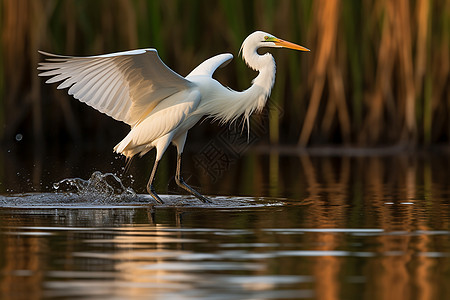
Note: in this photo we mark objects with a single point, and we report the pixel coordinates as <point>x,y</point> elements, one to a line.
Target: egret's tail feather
<point>124,147</point>
<point>129,150</point>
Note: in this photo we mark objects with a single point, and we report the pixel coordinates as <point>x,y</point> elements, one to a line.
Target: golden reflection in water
<point>404,261</point>
<point>22,270</point>
<point>142,268</point>
<point>326,268</point>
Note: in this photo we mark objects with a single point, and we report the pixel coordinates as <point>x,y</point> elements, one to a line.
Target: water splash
<point>108,190</point>
<point>102,186</point>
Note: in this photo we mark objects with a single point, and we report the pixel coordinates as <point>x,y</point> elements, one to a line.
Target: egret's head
<point>268,40</point>
<point>260,39</point>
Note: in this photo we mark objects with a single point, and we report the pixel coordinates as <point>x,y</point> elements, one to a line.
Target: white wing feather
<point>209,66</point>
<point>124,85</point>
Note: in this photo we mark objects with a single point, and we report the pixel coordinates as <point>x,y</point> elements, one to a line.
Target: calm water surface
<point>301,228</point>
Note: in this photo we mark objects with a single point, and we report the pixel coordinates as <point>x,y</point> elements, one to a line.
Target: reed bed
<point>378,72</point>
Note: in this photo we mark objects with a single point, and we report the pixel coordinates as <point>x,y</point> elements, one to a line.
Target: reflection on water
<point>342,228</point>
<point>179,253</point>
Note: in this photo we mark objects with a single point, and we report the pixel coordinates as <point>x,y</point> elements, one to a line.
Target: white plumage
<point>136,87</point>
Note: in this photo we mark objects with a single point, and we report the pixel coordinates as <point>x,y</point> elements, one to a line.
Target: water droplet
<point>19,137</point>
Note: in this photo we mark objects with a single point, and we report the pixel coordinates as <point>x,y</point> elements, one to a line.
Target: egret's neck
<point>263,83</point>
<point>227,105</point>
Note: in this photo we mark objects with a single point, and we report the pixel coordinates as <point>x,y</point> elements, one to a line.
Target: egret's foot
<point>180,182</point>
<point>151,191</point>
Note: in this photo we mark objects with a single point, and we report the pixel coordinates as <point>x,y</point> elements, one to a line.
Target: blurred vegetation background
<point>377,74</point>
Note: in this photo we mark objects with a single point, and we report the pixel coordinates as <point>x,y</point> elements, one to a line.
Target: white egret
<point>136,87</point>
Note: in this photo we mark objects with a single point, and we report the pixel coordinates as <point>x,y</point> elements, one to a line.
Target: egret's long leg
<point>150,188</point>
<point>180,181</point>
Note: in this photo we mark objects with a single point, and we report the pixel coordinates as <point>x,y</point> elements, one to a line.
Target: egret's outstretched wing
<point>209,66</point>
<point>124,85</point>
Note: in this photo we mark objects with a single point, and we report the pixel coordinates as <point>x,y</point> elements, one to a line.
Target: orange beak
<point>286,44</point>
